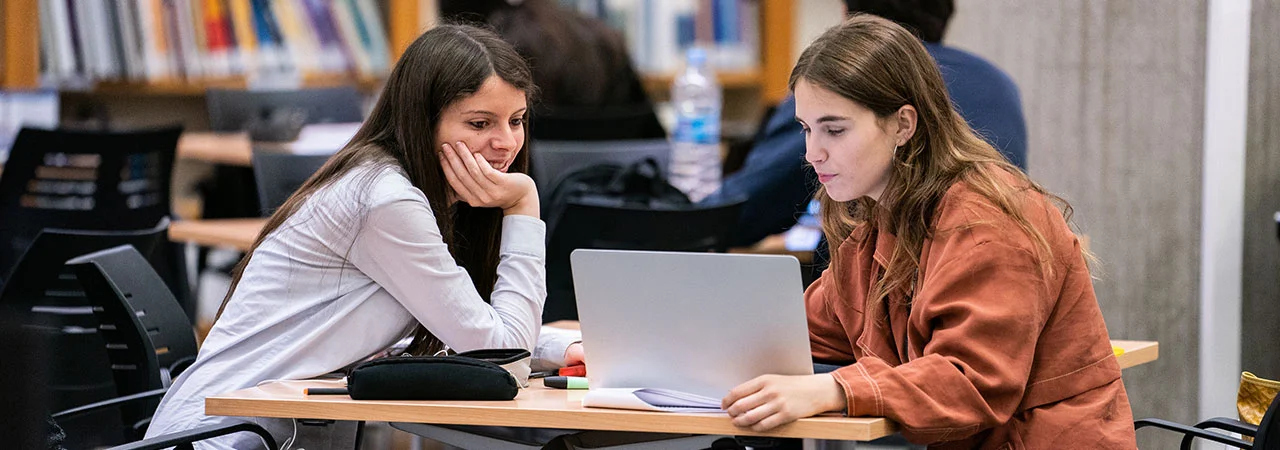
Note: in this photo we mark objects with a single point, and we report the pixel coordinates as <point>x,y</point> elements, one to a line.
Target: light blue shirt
<point>355,270</point>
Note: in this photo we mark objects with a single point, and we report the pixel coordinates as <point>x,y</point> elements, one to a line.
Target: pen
<point>325,391</point>
<point>566,382</point>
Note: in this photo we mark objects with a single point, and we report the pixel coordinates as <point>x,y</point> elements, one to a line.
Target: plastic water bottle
<point>695,150</point>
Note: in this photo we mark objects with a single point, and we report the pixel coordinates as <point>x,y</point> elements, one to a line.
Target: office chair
<point>87,180</point>
<point>279,174</point>
<point>1266,435</point>
<point>693,229</point>
<point>234,109</point>
<point>52,300</point>
<point>231,191</point>
<point>148,342</point>
<point>605,123</point>
<point>551,161</point>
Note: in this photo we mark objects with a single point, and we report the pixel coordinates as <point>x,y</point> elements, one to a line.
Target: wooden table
<point>536,406</point>
<point>1136,352</point>
<point>541,407</point>
<point>238,234</point>
<point>231,149</point>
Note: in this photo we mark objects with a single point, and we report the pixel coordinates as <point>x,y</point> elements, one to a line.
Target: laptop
<point>695,323</point>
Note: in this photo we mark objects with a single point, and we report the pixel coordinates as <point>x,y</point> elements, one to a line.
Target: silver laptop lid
<point>696,322</point>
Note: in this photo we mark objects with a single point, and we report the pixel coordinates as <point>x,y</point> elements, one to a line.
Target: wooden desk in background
<point>231,149</point>
<point>240,233</point>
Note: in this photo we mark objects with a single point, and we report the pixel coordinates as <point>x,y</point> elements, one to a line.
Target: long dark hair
<point>880,65</point>
<point>444,65</point>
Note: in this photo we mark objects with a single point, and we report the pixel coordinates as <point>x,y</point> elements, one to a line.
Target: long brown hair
<point>882,66</point>
<point>444,65</point>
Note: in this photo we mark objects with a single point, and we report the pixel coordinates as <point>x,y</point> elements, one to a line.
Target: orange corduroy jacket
<point>991,351</point>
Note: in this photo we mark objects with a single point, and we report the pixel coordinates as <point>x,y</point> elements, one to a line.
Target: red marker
<point>579,370</point>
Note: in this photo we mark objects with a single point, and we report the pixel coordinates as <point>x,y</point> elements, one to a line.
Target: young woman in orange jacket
<point>958,301</point>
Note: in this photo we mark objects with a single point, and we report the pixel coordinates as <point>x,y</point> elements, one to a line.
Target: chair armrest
<point>1229,424</point>
<point>60,415</point>
<point>1192,432</point>
<point>1225,424</point>
<point>200,434</point>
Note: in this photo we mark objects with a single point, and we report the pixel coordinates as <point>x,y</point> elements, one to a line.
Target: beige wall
<point>1113,93</point>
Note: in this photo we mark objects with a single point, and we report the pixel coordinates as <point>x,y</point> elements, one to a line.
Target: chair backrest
<point>233,109</point>
<point>83,180</point>
<point>1268,436</point>
<point>54,298</point>
<point>147,334</point>
<point>606,123</point>
<point>588,226</point>
<point>279,174</point>
<point>23,385</point>
<point>551,161</point>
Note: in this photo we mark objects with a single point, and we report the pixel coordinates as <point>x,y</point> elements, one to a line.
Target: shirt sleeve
<point>984,304</point>
<point>552,343</point>
<point>400,247</point>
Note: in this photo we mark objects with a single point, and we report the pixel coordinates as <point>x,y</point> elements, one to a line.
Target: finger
<point>747,404</point>
<point>472,161</point>
<point>487,172</point>
<point>755,415</point>
<point>463,165</point>
<point>454,174</point>
<point>774,420</point>
<point>742,390</point>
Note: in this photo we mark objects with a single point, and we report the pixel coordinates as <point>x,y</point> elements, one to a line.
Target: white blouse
<point>353,271</point>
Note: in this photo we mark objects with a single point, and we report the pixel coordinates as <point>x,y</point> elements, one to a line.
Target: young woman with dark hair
<point>423,225</point>
<point>958,302</point>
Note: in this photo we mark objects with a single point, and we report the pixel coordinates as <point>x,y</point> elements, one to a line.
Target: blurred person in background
<point>777,183</point>
<point>588,88</point>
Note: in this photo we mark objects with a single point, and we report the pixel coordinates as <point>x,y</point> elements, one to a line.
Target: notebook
<point>671,331</point>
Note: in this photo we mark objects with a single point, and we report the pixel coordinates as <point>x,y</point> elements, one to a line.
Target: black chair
<point>608,123</point>
<point>551,161</point>
<point>1266,435</point>
<point>234,109</point>
<point>231,191</point>
<point>279,174</point>
<point>696,229</point>
<point>148,342</point>
<point>85,180</point>
<point>52,300</point>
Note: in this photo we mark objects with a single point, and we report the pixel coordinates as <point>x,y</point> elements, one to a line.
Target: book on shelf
<point>195,40</point>
<point>658,32</point>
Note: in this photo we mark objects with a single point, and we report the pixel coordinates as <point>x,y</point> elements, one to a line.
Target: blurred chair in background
<point>231,191</point>
<point>279,174</point>
<point>551,161</point>
<point>696,229</point>
<point>1266,435</point>
<point>236,110</point>
<point>89,180</point>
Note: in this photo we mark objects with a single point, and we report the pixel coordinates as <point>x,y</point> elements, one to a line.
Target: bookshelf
<point>20,62</point>
<point>405,19</point>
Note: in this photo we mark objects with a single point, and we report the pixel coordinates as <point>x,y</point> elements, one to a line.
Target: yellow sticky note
<point>1119,351</point>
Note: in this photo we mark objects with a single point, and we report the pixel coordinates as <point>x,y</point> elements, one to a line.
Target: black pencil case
<point>473,375</point>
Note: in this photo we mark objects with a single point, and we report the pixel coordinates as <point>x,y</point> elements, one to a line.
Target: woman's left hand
<point>772,400</point>
<point>574,355</point>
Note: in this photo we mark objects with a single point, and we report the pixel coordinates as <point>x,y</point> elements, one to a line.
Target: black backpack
<point>637,185</point>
